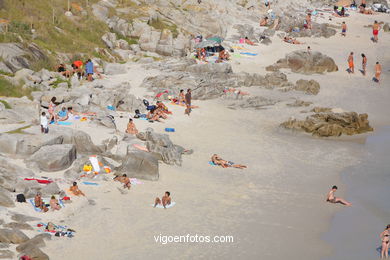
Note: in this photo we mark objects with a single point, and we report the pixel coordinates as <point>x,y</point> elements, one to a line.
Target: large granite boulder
<point>12,236</point>
<point>53,158</point>
<point>331,124</point>
<point>140,164</point>
<point>306,63</point>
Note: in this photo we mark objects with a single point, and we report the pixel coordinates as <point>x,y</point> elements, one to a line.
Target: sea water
<point>354,232</point>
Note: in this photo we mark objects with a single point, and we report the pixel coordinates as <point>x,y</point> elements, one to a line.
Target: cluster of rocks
<point>305,63</point>
<point>329,123</point>
<point>12,234</point>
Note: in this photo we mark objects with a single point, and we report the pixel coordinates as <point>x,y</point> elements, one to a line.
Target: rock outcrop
<point>53,158</point>
<point>331,124</point>
<point>305,63</point>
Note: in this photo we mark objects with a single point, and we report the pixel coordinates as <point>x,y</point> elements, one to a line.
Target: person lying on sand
<point>264,21</point>
<point>125,180</point>
<point>164,201</point>
<point>38,202</point>
<point>54,205</point>
<point>291,40</point>
<point>363,10</point>
<point>131,129</point>
<point>247,41</point>
<point>62,115</point>
<point>385,237</point>
<point>332,199</point>
<point>75,190</point>
<point>223,56</point>
<point>235,91</point>
<point>225,164</point>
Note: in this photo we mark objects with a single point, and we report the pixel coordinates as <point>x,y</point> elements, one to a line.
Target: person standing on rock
<point>188,99</point>
<point>51,110</point>
<point>44,124</point>
<point>351,66</point>
<point>89,70</point>
<point>378,71</point>
<point>364,64</point>
<point>375,30</point>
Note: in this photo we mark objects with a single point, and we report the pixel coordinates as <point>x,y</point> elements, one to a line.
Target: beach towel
<point>143,118</point>
<point>169,129</point>
<point>41,181</point>
<point>90,183</point>
<point>160,206</point>
<point>95,163</point>
<point>46,201</point>
<point>62,123</point>
<point>135,181</point>
<point>211,163</point>
<point>248,53</point>
<point>60,231</point>
<point>140,147</point>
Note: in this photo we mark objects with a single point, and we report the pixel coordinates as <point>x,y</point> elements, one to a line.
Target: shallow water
<point>354,233</point>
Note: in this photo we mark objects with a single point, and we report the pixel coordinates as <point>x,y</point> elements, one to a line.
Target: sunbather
<point>225,164</point>
<point>38,202</point>
<point>264,21</point>
<point>62,115</point>
<point>223,55</point>
<point>363,10</point>
<point>75,190</point>
<point>291,40</point>
<point>63,71</point>
<point>125,180</point>
<point>235,91</point>
<point>131,129</point>
<point>163,107</point>
<point>54,205</point>
<point>164,201</point>
<point>333,199</point>
<point>247,41</point>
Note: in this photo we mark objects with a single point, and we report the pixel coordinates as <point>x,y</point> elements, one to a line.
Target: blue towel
<point>249,53</point>
<point>211,163</point>
<point>64,123</point>
<point>90,183</point>
<point>169,129</point>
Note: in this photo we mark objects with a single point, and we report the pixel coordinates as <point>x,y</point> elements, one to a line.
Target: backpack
<point>20,198</point>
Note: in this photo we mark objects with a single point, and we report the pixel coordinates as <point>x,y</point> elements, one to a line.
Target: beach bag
<point>20,198</point>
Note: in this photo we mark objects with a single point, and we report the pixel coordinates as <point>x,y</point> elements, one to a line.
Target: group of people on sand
<point>39,203</point>
<point>384,236</point>
<point>351,66</point>
<point>81,69</point>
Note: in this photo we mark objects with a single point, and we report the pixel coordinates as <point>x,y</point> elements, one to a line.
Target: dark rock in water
<point>6,254</point>
<point>139,164</point>
<point>18,225</point>
<point>12,236</point>
<point>306,63</point>
<point>310,87</point>
<point>54,157</point>
<point>331,124</point>
<point>23,218</point>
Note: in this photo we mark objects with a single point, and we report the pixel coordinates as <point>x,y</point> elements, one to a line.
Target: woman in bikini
<point>51,110</point>
<point>182,99</point>
<point>385,242</point>
<point>225,164</point>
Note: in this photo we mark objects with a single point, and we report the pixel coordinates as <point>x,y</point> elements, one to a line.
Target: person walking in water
<point>378,71</point>
<point>364,64</point>
<point>385,237</point>
<point>351,66</point>
<point>375,30</point>
<point>333,199</point>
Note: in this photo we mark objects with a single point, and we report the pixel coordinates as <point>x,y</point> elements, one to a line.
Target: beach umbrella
<point>205,44</point>
<point>215,39</point>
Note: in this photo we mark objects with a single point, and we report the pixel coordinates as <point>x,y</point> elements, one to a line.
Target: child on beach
<point>344,29</point>
<point>351,66</point>
<point>164,201</point>
<point>44,124</point>
<point>332,199</point>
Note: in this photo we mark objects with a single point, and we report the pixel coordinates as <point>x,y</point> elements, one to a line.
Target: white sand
<point>275,209</point>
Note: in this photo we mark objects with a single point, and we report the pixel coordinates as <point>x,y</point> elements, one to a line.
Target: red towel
<point>38,180</point>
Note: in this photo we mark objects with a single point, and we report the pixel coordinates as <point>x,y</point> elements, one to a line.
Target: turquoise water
<point>354,232</point>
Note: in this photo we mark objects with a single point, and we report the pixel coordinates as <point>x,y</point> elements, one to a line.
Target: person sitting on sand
<point>291,40</point>
<point>264,21</point>
<point>385,237</point>
<point>363,10</point>
<point>223,56</point>
<point>62,115</point>
<point>54,205</point>
<point>225,164</point>
<point>163,107</point>
<point>164,201</point>
<point>125,180</point>
<point>131,129</point>
<point>332,199</point>
<point>155,115</point>
<point>38,202</point>
<point>247,41</point>
<point>75,190</point>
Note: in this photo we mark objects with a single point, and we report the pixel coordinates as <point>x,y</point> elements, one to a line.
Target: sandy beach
<point>275,209</point>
